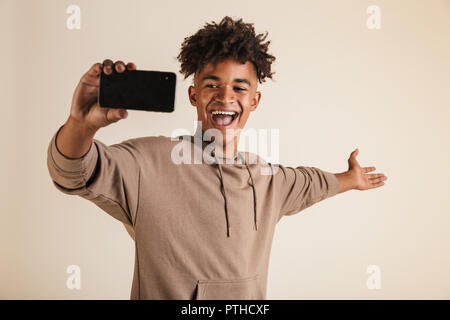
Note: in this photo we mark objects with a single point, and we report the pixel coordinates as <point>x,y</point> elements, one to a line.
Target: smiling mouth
<point>223,119</point>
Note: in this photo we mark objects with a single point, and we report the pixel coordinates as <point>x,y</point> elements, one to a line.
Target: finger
<point>376,185</point>
<point>368,169</point>
<point>88,80</point>
<point>352,162</point>
<point>131,66</point>
<point>354,153</point>
<point>377,179</point>
<point>108,66</point>
<point>114,115</point>
<point>95,70</point>
<point>108,62</point>
<point>119,66</point>
<point>376,175</point>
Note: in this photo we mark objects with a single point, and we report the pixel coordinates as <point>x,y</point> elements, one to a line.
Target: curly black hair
<point>229,39</point>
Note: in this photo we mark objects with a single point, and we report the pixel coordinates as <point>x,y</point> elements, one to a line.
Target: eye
<point>239,89</point>
<point>210,85</point>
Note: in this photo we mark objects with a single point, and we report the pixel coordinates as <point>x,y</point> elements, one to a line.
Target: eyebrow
<point>213,77</point>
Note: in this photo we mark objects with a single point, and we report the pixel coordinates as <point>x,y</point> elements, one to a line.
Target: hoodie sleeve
<point>301,187</point>
<point>109,176</point>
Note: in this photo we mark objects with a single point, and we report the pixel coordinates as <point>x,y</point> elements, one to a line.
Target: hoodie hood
<point>241,160</point>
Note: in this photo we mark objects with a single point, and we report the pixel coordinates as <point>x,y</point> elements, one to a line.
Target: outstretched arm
<point>357,177</point>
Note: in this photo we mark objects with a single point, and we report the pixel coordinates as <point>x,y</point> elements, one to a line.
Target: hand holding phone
<point>85,111</point>
<point>86,116</point>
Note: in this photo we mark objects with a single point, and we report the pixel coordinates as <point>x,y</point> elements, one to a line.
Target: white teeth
<point>224,112</point>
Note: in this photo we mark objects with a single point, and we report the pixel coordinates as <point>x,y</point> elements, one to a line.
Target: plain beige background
<point>338,86</point>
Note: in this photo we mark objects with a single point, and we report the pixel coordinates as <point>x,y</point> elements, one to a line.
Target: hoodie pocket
<point>236,289</point>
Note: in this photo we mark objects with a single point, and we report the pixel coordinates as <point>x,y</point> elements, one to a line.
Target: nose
<point>226,95</point>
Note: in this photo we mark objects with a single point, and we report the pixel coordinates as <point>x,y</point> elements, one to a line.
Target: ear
<point>192,96</point>
<point>255,101</point>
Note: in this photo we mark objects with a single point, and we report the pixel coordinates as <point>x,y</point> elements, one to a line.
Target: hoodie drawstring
<point>255,217</point>
<point>225,199</point>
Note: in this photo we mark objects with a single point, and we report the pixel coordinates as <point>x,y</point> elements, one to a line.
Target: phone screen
<point>138,90</point>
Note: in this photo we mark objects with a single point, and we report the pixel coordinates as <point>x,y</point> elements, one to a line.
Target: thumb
<point>114,115</point>
<point>352,159</point>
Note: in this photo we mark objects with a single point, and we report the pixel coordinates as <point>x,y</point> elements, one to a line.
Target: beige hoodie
<point>201,231</point>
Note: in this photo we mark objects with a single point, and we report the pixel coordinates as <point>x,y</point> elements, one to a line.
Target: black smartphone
<point>138,90</point>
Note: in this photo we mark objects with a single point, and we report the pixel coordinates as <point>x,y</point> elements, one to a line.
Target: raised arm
<point>80,165</point>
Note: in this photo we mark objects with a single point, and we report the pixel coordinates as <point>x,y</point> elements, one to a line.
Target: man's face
<point>229,86</point>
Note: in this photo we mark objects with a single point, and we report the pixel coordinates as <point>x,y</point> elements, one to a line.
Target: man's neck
<point>224,150</point>
<point>228,151</point>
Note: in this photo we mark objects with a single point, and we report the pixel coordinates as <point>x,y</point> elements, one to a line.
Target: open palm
<point>364,180</point>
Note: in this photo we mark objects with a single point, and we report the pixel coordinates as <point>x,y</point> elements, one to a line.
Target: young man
<point>201,230</point>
